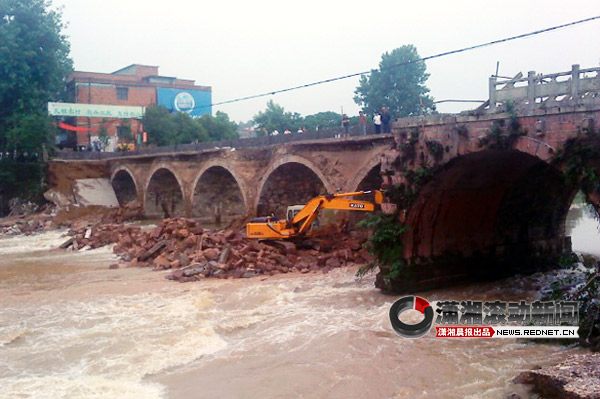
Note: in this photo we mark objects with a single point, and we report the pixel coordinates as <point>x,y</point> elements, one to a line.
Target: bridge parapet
<point>253,142</point>
<point>575,87</point>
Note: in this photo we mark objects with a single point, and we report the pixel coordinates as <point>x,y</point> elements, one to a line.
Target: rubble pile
<point>69,216</point>
<point>27,223</point>
<point>194,253</point>
<point>73,215</point>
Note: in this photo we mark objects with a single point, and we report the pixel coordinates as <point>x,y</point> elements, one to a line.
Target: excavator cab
<point>293,210</point>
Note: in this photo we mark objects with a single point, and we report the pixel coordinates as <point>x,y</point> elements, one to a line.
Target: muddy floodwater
<point>72,328</point>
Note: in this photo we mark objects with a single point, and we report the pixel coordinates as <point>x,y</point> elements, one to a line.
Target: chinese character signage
<point>96,110</point>
<point>495,319</point>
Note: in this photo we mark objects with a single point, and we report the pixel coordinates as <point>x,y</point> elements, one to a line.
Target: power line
<point>458,101</point>
<point>422,59</point>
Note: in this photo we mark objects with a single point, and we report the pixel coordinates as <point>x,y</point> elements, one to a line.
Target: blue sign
<point>194,102</point>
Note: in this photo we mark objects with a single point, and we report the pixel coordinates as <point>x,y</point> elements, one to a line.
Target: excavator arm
<point>269,228</point>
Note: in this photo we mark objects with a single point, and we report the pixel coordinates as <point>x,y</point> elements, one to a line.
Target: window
<point>122,93</point>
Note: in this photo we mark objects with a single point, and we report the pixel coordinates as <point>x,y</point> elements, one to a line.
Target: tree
<point>398,84</point>
<point>275,118</point>
<point>124,133</point>
<point>188,129</point>
<point>34,60</point>
<point>103,136</point>
<point>28,137</point>
<point>219,127</point>
<point>160,126</point>
<point>34,63</point>
<point>324,120</point>
<point>165,128</point>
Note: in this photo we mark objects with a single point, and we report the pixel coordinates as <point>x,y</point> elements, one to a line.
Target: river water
<point>72,328</point>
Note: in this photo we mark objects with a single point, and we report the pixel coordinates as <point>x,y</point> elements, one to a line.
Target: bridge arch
<point>491,210</point>
<point>125,185</point>
<point>580,160</point>
<point>289,180</point>
<point>164,193</point>
<point>368,177</point>
<point>218,194</point>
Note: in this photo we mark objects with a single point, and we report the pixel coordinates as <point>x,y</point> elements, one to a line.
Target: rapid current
<point>70,327</point>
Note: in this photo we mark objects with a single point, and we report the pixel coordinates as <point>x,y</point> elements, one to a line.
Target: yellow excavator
<point>298,224</point>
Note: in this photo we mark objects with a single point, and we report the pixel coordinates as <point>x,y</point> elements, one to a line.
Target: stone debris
<point>19,207</point>
<point>193,253</point>
<point>57,198</point>
<point>578,377</point>
<point>71,216</point>
<point>27,223</point>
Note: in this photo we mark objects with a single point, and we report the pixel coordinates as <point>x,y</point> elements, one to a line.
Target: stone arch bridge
<point>487,192</point>
<point>233,183</point>
<point>480,191</point>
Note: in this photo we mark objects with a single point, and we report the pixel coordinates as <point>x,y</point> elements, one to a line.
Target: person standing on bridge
<point>385,120</point>
<point>346,124</point>
<point>362,123</point>
<point>377,122</point>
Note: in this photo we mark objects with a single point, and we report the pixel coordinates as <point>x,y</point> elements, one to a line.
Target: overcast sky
<point>241,48</point>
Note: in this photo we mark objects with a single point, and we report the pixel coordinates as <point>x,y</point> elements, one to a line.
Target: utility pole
<point>89,121</point>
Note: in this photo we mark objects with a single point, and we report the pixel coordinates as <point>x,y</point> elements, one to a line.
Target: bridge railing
<point>536,89</point>
<point>199,147</point>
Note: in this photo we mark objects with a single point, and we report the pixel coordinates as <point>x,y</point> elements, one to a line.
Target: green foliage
<point>436,149</point>
<point>164,128</point>
<point>404,194</point>
<point>34,57</point>
<point>578,158</point>
<point>399,88</point>
<point>462,130</point>
<point>28,134</point>
<point>513,121</point>
<point>34,63</point>
<point>103,135</point>
<point>124,132</point>
<point>324,120</point>
<point>502,135</point>
<point>219,127</point>
<point>408,147</point>
<point>418,177</point>
<point>160,126</point>
<point>385,244</point>
<point>274,117</point>
<point>568,260</point>
<point>26,178</point>
<point>187,129</point>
